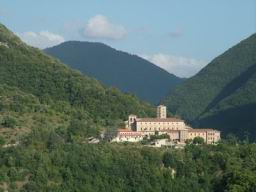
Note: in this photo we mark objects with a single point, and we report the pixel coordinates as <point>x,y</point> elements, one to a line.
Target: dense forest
<point>223,94</point>
<point>114,68</point>
<point>46,160</point>
<point>60,88</point>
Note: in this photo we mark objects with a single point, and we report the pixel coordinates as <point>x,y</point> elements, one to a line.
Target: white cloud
<point>180,66</point>
<point>100,27</point>
<point>42,39</point>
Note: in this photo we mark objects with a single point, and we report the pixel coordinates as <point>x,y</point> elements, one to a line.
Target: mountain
<point>114,68</point>
<point>223,94</point>
<point>60,92</point>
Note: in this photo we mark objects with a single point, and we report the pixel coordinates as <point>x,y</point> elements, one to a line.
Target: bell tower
<point>132,121</point>
<point>161,112</point>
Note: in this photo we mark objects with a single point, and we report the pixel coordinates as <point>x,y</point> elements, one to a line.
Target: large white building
<point>137,128</point>
<point>160,123</point>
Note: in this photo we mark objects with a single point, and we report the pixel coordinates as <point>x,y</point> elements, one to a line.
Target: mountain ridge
<point>226,82</point>
<point>116,68</point>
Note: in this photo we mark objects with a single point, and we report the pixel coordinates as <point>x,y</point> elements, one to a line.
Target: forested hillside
<point>223,94</point>
<point>61,90</point>
<point>45,162</point>
<point>127,72</point>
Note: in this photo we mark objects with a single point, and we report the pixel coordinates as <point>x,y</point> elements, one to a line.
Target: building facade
<point>127,135</point>
<point>137,128</point>
<point>161,112</point>
<point>209,135</point>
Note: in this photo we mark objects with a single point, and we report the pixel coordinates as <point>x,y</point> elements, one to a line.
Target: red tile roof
<point>201,130</point>
<point>159,120</point>
<point>125,130</point>
<point>128,132</point>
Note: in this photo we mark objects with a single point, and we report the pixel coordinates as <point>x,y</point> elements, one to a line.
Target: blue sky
<point>180,36</point>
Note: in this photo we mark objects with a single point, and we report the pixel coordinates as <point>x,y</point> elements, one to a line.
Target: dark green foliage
<point>2,141</point>
<point>223,94</point>
<point>232,139</point>
<point>9,121</point>
<point>42,165</point>
<point>240,181</point>
<point>162,136</point>
<point>169,159</point>
<point>129,73</point>
<point>13,99</point>
<point>80,129</point>
<point>198,140</point>
<point>53,84</point>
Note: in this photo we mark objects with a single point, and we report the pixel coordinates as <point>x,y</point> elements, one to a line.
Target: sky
<point>181,36</point>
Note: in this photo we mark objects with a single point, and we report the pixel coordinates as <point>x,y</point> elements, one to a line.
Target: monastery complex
<point>138,128</point>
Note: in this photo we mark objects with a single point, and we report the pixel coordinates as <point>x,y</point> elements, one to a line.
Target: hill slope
<point>62,89</point>
<point>22,112</point>
<point>129,73</point>
<point>223,94</point>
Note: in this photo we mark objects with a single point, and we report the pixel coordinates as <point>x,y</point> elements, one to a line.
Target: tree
<point>162,136</point>
<point>9,122</point>
<point>198,140</point>
<point>168,159</point>
<point>232,139</point>
<point>2,141</point>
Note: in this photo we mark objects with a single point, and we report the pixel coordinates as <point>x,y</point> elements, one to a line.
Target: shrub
<point>2,141</point>
<point>9,122</point>
<point>198,140</point>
